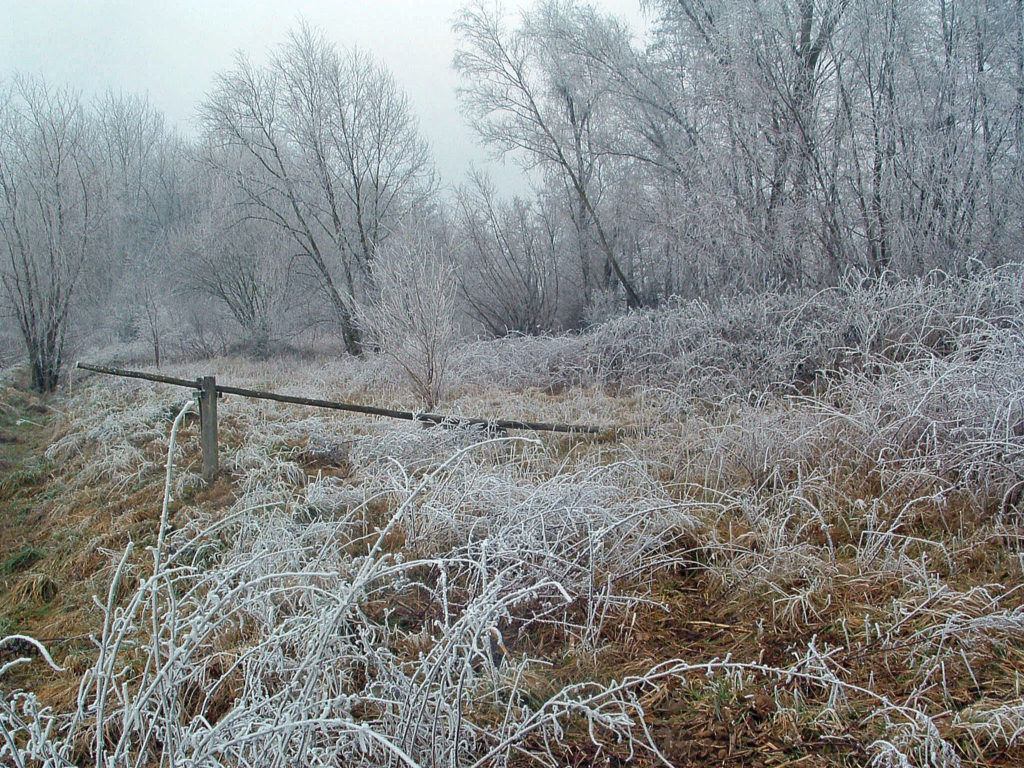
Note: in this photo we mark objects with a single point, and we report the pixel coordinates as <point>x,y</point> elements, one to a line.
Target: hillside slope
<point>804,548</point>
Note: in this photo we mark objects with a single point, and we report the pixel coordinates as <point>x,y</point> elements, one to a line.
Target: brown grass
<point>707,609</point>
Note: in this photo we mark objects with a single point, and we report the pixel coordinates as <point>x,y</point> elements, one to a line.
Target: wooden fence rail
<point>208,390</point>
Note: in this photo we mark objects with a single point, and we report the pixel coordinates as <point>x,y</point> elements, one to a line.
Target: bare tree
<point>335,158</point>
<point>241,263</point>
<point>509,268</point>
<point>520,97</point>
<point>145,171</point>
<point>51,215</point>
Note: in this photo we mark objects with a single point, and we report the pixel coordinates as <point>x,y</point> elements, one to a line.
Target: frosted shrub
<point>960,417</point>
<point>591,529</point>
<point>114,433</point>
<point>757,343</point>
<point>411,318</point>
<point>256,637</point>
<point>414,446</point>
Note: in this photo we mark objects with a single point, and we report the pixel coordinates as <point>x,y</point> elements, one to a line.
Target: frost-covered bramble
<point>762,342</point>
<point>256,635</point>
<point>386,594</point>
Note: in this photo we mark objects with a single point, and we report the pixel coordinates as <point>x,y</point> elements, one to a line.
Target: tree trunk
<point>45,375</point>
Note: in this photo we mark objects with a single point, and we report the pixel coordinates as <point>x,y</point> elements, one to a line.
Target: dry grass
<point>767,574</point>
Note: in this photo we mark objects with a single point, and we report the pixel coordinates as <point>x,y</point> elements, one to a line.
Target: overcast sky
<point>170,50</point>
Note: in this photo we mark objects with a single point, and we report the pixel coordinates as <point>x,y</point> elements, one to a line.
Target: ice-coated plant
<point>844,467</point>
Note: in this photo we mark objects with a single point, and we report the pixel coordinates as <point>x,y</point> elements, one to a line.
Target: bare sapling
<point>411,315</point>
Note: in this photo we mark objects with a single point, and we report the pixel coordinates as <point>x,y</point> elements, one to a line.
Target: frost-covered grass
<point>809,542</point>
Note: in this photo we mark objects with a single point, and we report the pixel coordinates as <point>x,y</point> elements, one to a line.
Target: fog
<point>172,50</point>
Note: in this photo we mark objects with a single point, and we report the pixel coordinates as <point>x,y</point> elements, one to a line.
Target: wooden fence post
<point>208,425</point>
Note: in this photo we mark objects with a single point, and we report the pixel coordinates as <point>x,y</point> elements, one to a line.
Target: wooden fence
<point>209,390</point>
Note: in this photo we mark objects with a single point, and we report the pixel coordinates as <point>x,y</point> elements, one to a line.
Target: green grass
<point>22,560</point>
<point>22,478</point>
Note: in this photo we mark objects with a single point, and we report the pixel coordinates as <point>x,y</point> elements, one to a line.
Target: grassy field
<point>800,543</point>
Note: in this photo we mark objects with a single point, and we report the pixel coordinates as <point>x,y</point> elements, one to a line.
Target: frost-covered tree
<point>523,94</point>
<point>510,271</point>
<point>773,144</point>
<point>53,212</point>
<point>147,173</point>
<point>335,157</point>
<point>240,263</point>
